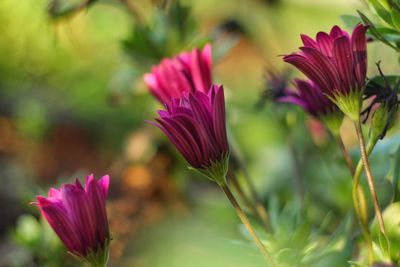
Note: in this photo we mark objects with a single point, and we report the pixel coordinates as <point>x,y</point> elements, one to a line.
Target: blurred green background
<point>72,102</point>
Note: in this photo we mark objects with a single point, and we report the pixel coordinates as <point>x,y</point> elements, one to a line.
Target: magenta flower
<point>311,98</point>
<point>78,216</point>
<point>186,72</point>
<point>195,124</point>
<point>337,63</point>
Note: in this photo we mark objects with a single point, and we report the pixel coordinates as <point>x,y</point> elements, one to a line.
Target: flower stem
<point>260,210</point>
<point>370,178</point>
<point>246,223</point>
<point>262,217</point>
<point>358,196</point>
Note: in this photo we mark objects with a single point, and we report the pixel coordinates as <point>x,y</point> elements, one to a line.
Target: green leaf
<point>394,4</point>
<point>385,4</point>
<point>391,79</point>
<point>388,245</point>
<point>373,30</point>
<point>389,34</point>
<point>395,16</point>
<point>384,244</point>
<point>381,11</point>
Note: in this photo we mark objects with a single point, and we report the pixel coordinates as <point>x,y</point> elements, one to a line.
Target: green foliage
<point>296,242</point>
<point>386,27</point>
<point>167,33</point>
<point>388,247</point>
<point>40,243</point>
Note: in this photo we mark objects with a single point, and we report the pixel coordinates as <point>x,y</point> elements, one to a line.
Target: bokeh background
<point>72,102</point>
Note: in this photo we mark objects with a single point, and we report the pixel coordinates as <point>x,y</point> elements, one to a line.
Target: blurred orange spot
<point>136,177</point>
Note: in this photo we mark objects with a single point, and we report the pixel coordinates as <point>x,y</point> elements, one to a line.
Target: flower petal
<point>359,46</point>
<point>325,43</point>
<point>344,61</point>
<point>219,118</point>
<point>56,215</point>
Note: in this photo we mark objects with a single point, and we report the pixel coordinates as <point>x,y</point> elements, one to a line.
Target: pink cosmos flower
<point>195,124</point>
<point>78,216</point>
<point>186,72</point>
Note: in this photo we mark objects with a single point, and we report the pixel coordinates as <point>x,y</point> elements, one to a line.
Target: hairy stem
<point>247,223</point>
<point>370,178</point>
<point>358,196</point>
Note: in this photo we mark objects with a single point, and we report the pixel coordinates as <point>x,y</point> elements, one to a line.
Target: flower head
<point>195,124</point>
<point>311,98</point>
<point>337,63</point>
<point>78,216</point>
<point>186,72</point>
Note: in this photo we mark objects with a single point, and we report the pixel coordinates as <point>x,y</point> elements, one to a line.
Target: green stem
<point>370,178</point>
<point>262,217</point>
<point>358,196</point>
<point>262,213</point>
<point>246,223</point>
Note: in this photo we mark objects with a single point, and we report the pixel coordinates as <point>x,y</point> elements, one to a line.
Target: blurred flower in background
<point>186,72</point>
